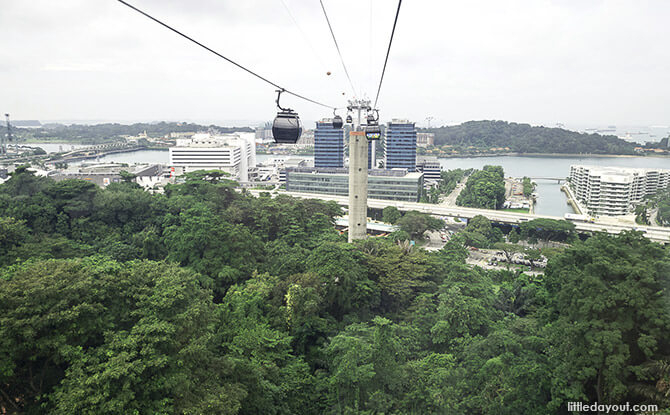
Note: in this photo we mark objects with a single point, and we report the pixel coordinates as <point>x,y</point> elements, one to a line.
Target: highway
<point>654,233</point>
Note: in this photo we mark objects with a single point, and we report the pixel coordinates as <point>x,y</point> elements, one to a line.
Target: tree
<point>480,233</point>
<point>347,288</point>
<point>127,177</point>
<point>401,274</point>
<point>366,364</point>
<point>548,229</point>
<point>96,336</point>
<point>513,236</point>
<point>391,214</point>
<point>607,294</point>
<point>417,223</point>
<point>226,253</point>
<point>484,189</point>
<point>12,233</point>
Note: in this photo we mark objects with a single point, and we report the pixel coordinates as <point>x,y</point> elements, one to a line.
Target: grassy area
<point>517,210</point>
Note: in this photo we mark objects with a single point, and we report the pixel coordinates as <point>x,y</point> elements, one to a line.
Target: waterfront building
<point>232,153</point>
<point>430,166</point>
<point>425,139</point>
<point>382,184</point>
<point>328,145</point>
<point>400,145</point>
<point>613,191</point>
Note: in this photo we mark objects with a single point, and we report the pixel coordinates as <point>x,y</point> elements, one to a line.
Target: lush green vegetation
<point>654,206</point>
<point>663,206</point>
<point>105,133</point>
<point>204,300</point>
<point>528,186</point>
<point>484,189</point>
<point>477,136</point>
<point>548,230</point>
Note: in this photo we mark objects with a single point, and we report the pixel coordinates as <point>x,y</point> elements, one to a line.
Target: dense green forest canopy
<point>484,189</point>
<point>523,138</point>
<point>101,133</point>
<point>205,300</point>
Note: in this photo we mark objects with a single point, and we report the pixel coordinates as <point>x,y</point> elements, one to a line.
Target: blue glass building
<point>400,145</point>
<point>328,145</point>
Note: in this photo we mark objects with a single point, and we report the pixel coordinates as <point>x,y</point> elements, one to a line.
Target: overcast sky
<point>537,61</point>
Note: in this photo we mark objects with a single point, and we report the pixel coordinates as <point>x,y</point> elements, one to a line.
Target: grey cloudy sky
<point>536,61</point>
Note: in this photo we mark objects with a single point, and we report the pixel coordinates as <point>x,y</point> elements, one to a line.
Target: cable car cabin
<point>349,119</point>
<point>286,128</point>
<point>373,132</point>
<point>337,122</point>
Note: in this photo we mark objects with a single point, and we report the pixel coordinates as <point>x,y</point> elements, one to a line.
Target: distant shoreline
<point>557,155</point>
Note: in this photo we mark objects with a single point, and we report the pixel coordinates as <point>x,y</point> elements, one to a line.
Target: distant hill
<point>100,133</point>
<point>524,138</point>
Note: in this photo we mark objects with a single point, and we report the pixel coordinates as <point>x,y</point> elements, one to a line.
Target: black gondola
<point>286,128</point>
<point>337,122</point>
<point>349,119</point>
<point>372,130</point>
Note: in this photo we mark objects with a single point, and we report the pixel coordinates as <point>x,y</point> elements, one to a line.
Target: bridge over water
<point>557,179</point>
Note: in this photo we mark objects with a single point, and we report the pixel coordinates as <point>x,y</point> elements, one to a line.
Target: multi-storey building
<point>615,191</point>
<point>430,166</point>
<point>382,184</point>
<point>232,153</point>
<point>425,139</point>
<point>328,145</point>
<point>400,145</point>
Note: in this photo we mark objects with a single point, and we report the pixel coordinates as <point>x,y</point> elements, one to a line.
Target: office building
<point>613,191</point>
<point>425,139</point>
<point>232,153</point>
<point>400,145</point>
<point>328,145</point>
<point>382,184</point>
<point>430,166</point>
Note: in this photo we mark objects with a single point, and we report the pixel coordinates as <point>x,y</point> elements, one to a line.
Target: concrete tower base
<point>358,185</point>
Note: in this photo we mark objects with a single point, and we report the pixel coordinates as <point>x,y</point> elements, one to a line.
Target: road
<point>654,233</point>
<point>450,200</point>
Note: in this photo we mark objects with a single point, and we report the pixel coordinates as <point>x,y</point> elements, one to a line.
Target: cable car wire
<point>337,47</point>
<point>304,35</point>
<point>388,51</point>
<point>225,58</point>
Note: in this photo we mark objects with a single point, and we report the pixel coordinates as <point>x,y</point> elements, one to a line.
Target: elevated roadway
<point>654,233</point>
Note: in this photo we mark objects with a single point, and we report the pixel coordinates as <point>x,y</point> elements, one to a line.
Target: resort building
<point>614,191</point>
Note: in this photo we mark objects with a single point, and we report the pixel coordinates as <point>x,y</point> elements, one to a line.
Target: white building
<point>615,191</point>
<point>233,153</point>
